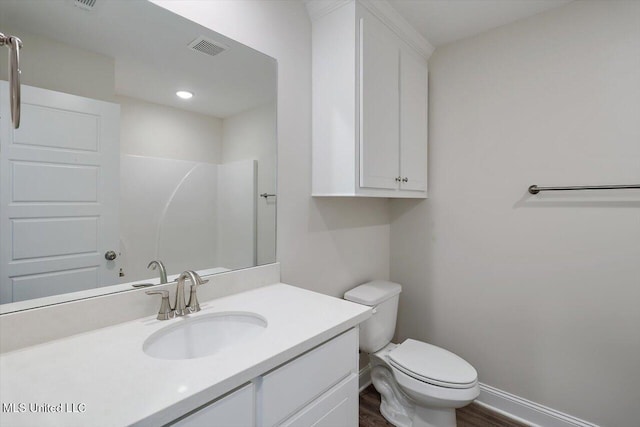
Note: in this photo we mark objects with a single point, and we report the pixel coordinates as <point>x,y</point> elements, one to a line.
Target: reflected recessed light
<point>184,94</point>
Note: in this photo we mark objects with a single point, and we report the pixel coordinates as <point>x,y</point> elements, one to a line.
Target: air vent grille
<point>85,4</point>
<point>207,46</point>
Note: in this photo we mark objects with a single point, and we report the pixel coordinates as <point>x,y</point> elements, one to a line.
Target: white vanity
<point>300,370</point>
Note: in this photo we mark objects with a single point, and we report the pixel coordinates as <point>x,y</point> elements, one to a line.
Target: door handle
<point>110,255</point>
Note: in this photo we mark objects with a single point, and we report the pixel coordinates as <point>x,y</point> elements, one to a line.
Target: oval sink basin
<point>204,335</point>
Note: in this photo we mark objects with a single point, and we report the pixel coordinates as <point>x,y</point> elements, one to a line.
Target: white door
<point>59,183</point>
<point>379,104</point>
<point>413,122</point>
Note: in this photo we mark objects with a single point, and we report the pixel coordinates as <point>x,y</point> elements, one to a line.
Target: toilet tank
<point>378,330</point>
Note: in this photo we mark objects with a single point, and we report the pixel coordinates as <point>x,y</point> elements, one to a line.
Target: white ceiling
<point>445,21</point>
<point>152,60</point>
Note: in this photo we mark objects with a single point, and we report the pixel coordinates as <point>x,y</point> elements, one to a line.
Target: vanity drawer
<point>337,408</point>
<point>292,386</point>
<point>236,409</point>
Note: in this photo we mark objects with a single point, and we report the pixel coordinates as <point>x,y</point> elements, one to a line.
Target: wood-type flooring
<point>473,415</point>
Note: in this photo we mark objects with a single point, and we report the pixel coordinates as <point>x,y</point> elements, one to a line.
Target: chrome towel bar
<point>265,195</point>
<point>534,189</point>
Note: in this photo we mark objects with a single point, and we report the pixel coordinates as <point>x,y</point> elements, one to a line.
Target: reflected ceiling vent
<point>205,45</point>
<point>85,4</point>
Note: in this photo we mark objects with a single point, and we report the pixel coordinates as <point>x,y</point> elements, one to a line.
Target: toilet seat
<point>433,365</point>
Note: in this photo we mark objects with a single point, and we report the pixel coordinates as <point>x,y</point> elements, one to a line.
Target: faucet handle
<point>165,311</point>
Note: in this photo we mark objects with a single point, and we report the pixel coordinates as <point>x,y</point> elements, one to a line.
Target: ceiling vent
<point>85,4</point>
<point>205,45</point>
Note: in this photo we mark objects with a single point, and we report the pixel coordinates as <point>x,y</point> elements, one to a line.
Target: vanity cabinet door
<point>291,388</point>
<point>233,410</point>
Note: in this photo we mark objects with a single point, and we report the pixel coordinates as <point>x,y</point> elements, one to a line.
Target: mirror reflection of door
<point>58,194</point>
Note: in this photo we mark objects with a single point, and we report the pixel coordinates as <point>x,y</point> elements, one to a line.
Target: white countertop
<point>107,371</point>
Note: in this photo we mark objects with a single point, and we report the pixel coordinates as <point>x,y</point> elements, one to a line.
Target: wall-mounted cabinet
<point>369,103</point>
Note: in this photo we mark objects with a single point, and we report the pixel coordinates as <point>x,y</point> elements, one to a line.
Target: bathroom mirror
<point>113,167</point>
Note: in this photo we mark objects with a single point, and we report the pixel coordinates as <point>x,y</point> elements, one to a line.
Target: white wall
<point>327,245</point>
<point>539,293</point>
<point>252,135</point>
<point>148,129</point>
<point>47,64</point>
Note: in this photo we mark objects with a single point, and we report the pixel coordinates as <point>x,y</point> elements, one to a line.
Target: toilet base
<point>403,407</point>
<point>421,417</point>
<point>401,412</point>
<point>394,407</point>
<point>434,417</point>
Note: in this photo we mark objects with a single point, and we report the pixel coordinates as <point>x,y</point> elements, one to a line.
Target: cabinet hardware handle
<point>398,179</point>
<point>405,179</point>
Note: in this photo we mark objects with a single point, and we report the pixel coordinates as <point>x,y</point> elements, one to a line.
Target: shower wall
<point>190,215</point>
<point>251,134</point>
<point>189,188</point>
<point>168,212</point>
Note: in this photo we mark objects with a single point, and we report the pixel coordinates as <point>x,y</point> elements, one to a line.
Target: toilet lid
<point>433,365</point>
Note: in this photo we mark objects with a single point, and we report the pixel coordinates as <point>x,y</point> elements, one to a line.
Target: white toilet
<point>420,384</point>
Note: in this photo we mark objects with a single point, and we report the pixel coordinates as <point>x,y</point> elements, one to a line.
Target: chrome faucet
<point>160,266</point>
<point>180,308</point>
<point>192,306</point>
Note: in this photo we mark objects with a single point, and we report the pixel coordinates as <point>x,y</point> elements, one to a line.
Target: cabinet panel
<point>413,122</point>
<point>379,104</point>
<point>234,410</point>
<point>337,408</point>
<point>287,389</point>
<point>369,104</point>
<point>334,118</point>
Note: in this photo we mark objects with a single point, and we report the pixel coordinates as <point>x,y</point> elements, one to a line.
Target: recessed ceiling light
<point>184,94</point>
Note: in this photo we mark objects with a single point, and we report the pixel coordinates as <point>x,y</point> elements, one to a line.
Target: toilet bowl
<point>420,384</point>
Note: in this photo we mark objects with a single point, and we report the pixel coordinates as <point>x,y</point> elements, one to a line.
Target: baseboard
<point>526,411</point>
<point>364,377</point>
<point>509,405</point>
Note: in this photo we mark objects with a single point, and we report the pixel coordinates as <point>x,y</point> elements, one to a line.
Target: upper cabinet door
<point>413,122</point>
<point>379,103</point>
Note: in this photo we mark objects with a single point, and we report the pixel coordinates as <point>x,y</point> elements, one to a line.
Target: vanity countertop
<point>106,374</point>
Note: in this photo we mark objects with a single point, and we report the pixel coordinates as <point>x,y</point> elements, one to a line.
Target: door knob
<point>110,255</point>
